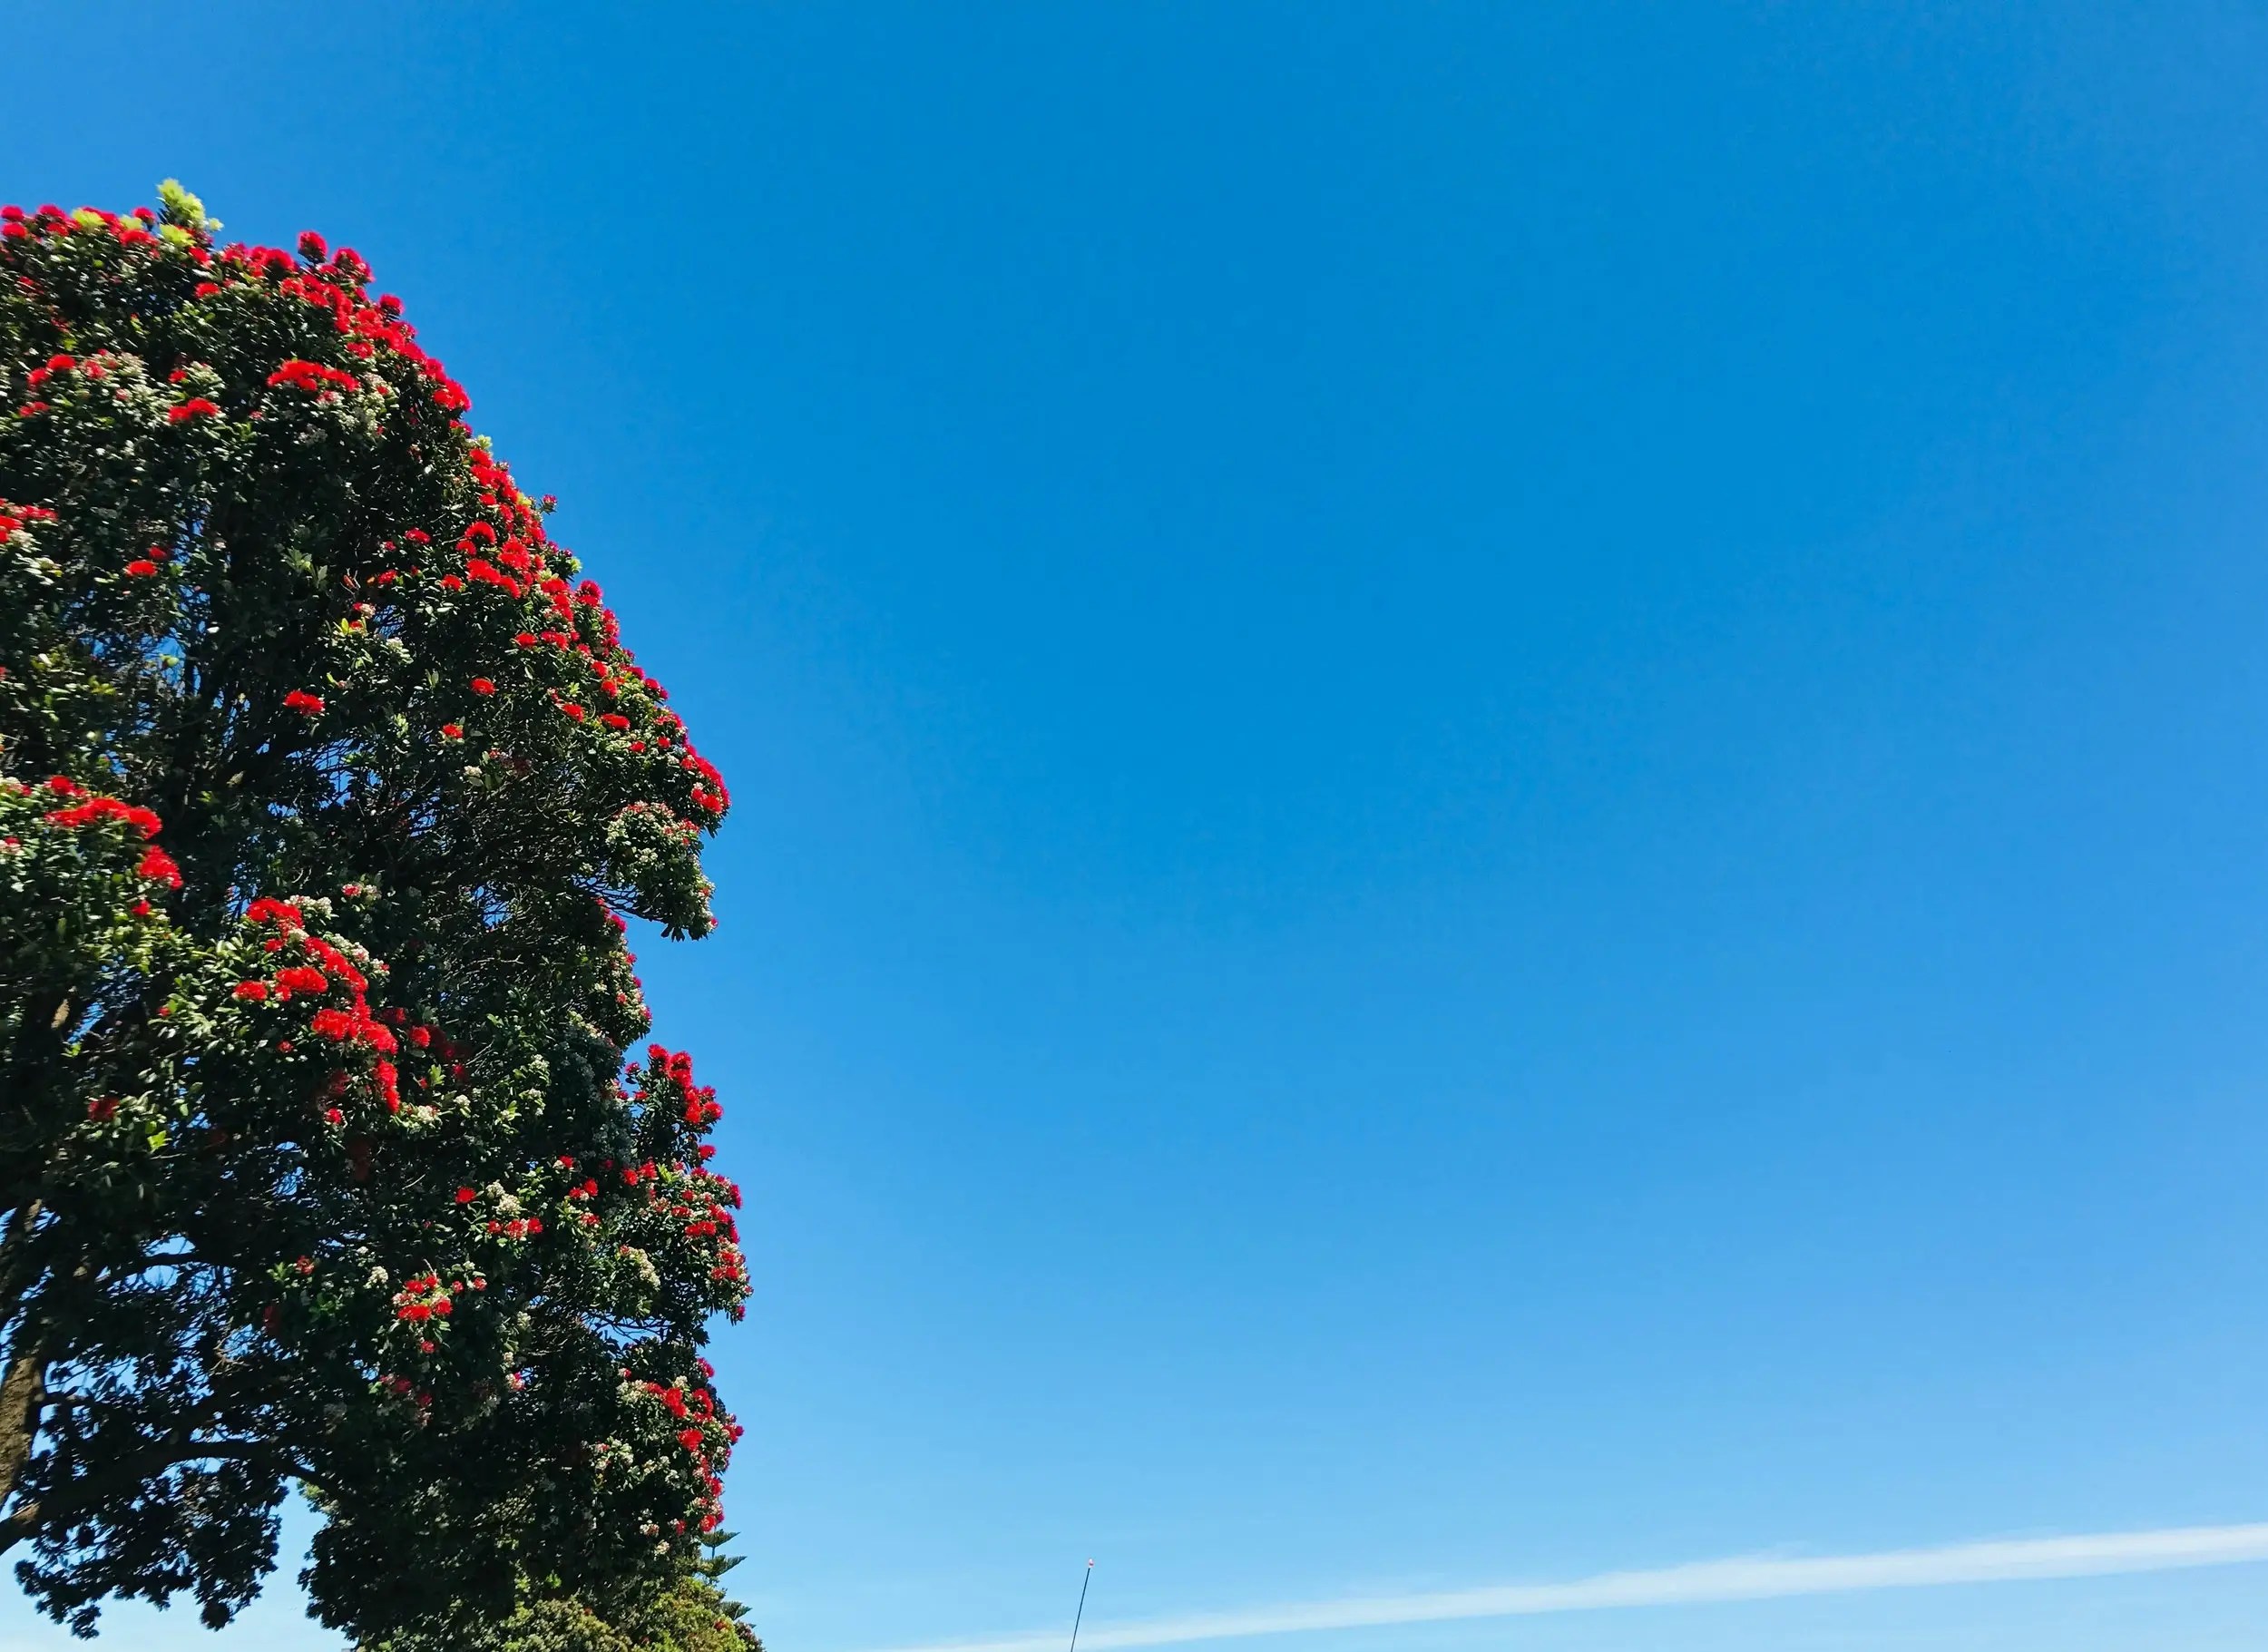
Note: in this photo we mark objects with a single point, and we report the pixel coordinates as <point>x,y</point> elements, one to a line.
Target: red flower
<point>465,1196</point>
<point>481,685</point>
<point>479,567</point>
<point>251,992</point>
<point>526,639</point>
<point>300,701</point>
<point>484,572</point>
<point>300,979</point>
<point>98,809</point>
<point>195,407</point>
<point>141,568</point>
<point>312,247</point>
<point>103,1109</point>
<point>313,376</point>
<point>614,720</point>
<point>454,731</point>
<point>331,1115</point>
<point>160,867</point>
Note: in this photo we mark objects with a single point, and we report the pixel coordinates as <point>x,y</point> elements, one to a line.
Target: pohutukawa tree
<point>326,785</point>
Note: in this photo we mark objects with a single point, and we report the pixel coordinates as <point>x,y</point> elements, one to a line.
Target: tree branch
<point>28,1518</point>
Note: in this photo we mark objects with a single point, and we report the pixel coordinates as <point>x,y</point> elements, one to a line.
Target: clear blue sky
<point>1499,771</point>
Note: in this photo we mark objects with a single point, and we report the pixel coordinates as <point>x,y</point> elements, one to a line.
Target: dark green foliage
<point>691,1616</point>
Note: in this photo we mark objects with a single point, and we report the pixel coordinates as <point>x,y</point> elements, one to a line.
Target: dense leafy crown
<point>325,784</point>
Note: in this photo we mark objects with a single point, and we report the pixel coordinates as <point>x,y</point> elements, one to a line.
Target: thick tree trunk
<point>22,1393</point>
<point>24,1387</point>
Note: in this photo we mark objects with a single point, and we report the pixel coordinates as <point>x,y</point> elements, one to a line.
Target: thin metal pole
<point>1081,1613</point>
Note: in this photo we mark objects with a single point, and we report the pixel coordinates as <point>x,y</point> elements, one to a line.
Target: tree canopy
<point>328,1154</point>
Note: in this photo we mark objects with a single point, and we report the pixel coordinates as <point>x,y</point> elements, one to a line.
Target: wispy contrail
<point>1749,1578</point>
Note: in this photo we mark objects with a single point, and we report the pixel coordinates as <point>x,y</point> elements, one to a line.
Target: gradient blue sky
<point>1499,769</point>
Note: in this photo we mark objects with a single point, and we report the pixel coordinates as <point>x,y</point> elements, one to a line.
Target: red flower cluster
<point>421,1299</point>
<point>716,1221</point>
<point>53,222</point>
<point>197,406</point>
<point>708,790</point>
<point>700,1104</point>
<point>99,808</point>
<point>352,1026</point>
<point>155,866</point>
<point>334,962</point>
<point>482,570</point>
<point>13,516</point>
<point>313,376</point>
<point>303,702</point>
<point>337,286</point>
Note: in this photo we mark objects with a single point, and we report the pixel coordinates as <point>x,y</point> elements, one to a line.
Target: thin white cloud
<point>1751,1579</point>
